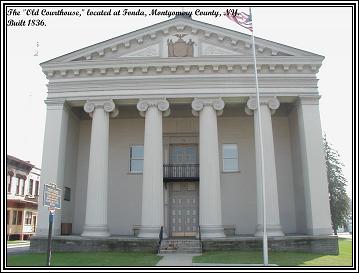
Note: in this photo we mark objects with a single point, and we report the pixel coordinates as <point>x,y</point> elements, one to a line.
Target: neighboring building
<point>192,158</point>
<point>23,184</point>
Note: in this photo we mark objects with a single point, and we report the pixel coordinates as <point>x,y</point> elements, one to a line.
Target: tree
<point>338,198</point>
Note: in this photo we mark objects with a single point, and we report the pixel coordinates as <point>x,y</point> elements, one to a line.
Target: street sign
<point>52,196</point>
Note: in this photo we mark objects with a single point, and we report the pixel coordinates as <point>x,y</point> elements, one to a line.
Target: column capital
<point>56,104</point>
<point>308,100</point>
<point>272,102</point>
<point>161,104</point>
<point>107,105</point>
<point>199,103</point>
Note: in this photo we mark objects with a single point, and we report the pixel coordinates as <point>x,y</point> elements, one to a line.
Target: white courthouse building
<point>159,128</point>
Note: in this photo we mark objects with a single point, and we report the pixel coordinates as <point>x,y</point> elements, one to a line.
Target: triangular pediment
<point>179,37</point>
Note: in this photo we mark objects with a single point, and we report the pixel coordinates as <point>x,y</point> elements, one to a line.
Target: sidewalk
<point>176,259</point>
<point>182,259</point>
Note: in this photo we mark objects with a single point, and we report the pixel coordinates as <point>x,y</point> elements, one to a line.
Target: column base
<point>212,231</point>
<point>149,232</point>
<point>320,231</point>
<point>272,230</point>
<point>95,231</point>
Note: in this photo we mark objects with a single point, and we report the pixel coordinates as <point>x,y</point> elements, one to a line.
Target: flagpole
<point>259,116</point>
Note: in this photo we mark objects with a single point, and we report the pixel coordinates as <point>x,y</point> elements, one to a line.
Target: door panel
<point>184,208</point>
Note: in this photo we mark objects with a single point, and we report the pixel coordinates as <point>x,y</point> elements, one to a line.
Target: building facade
<point>23,183</point>
<point>159,128</point>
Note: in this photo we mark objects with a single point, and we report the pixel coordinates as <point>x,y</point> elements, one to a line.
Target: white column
<point>313,164</point>
<point>268,106</point>
<point>152,185</point>
<point>210,213</point>
<point>53,161</point>
<point>96,203</point>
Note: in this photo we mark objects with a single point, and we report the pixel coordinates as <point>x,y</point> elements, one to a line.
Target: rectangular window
<point>9,183</point>
<point>136,159</point>
<point>14,217</point>
<point>37,188</point>
<point>19,217</point>
<point>28,217</point>
<point>67,195</point>
<point>31,186</point>
<point>23,187</point>
<point>18,186</point>
<point>230,157</point>
<point>7,217</point>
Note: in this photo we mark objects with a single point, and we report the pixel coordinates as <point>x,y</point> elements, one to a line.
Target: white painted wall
<point>283,158</point>
<point>70,168</point>
<point>238,190</point>
<point>125,189</point>
<point>299,197</point>
<point>81,176</point>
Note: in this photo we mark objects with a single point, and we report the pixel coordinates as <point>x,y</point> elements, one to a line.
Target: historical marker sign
<point>52,199</point>
<point>52,196</point>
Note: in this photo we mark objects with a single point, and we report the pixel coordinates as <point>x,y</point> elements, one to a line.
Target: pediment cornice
<point>151,37</point>
<point>150,66</point>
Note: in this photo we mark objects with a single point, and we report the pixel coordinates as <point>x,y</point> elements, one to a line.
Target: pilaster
<point>53,160</point>
<point>313,164</point>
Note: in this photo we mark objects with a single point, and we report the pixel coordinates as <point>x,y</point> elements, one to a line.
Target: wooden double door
<point>183,208</point>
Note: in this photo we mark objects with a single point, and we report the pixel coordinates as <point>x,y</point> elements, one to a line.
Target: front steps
<point>180,246</point>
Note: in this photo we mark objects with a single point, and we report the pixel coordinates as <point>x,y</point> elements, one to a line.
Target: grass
<point>85,259</point>
<point>281,258</point>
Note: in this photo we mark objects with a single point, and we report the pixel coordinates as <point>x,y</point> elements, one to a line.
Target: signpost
<point>52,200</point>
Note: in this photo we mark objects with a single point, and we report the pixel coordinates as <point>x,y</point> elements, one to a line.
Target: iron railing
<point>181,172</point>
<point>200,237</point>
<point>160,237</point>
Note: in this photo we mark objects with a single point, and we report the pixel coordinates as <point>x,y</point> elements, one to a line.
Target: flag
<point>241,18</point>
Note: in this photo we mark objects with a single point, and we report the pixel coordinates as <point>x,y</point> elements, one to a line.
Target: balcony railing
<point>181,172</point>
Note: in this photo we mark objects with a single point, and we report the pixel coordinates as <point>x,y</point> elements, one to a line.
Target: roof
<point>181,20</point>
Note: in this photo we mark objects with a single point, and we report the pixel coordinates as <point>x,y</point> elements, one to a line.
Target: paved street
<point>18,248</point>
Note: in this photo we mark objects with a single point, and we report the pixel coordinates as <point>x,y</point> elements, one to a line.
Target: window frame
<point>67,194</point>
<point>9,183</point>
<point>37,186</point>
<point>28,218</point>
<point>20,215</point>
<point>14,218</point>
<point>130,159</point>
<point>23,187</point>
<point>31,187</point>
<point>230,158</point>
<point>17,188</point>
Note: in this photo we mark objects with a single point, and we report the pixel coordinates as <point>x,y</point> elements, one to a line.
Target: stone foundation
<point>78,243</point>
<point>315,244</point>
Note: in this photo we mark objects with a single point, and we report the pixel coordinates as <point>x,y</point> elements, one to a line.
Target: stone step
<point>164,251</point>
<point>180,246</point>
<point>178,242</point>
